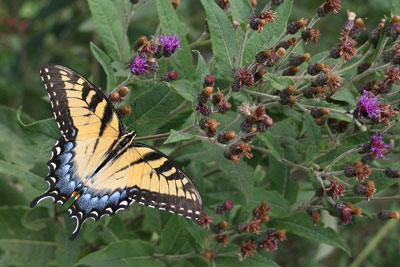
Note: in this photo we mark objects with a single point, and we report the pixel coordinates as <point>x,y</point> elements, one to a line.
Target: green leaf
<point>122,253</point>
<point>67,252</point>
<point>110,29</point>
<point>21,174</point>
<point>176,136</point>
<point>271,32</point>
<point>276,82</point>
<point>279,175</point>
<point>174,237</point>
<point>344,95</point>
<point>312,129</point>
<point>105,63</point>
<point>42,132</point>
<point>152,103</point>
<point>256,260</point>
<point>301,224</point>
<point>240,172</point>
<point>241,10</point>
<point>224,43</point>
<point>20,245</point>
<point>395,7</point>
<point>273,143</point>
<point>200,74</point>
<point>182,59</point>
<point>184,89</point>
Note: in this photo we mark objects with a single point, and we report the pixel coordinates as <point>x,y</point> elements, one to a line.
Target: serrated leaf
<point>301,224</point>
<point>273,144</point>
<point>276,82</point>
<point>105,63</point>
<point>176,136</point>
<point>269,34</point>
<point>110,29</point>
<point>224,43</point>
<point>312,129</point>
<point>122,253</point>
<point>182,59</point>
<point>241,10</point>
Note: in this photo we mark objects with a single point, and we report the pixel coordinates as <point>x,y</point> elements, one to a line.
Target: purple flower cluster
<point>377,146</point>
<point>139,66</point>
<point>368,103</point>
<point>169,43</point>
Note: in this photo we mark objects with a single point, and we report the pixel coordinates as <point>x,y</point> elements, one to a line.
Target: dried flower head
<point>347,46</point>
<point>253,226</point>
<point>204,220</point>
<point>310,34</point>
<point>333,80</point>
<point>248,248</point>
<point>262,209</point>
<point>336,190</point>
<point>244,77</point>
<point>386,113</point>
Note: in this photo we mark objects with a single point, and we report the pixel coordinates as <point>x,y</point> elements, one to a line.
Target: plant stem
<point>348,152</point>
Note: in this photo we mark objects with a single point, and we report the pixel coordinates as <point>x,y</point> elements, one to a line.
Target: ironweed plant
<point>280,142</point>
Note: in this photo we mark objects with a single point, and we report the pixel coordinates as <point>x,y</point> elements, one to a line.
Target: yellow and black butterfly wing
<point>89,125</point>
<point>139,174</point>
<point>156,181</point>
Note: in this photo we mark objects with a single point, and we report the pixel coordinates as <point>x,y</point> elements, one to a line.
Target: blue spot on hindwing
<point>65,158</point>
<point>62,171</point>
<point>68,146</point>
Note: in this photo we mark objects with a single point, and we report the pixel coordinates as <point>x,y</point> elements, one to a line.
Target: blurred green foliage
<point>35,33</point>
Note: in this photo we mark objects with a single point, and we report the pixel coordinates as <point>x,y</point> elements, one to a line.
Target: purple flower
<point>169,43</point>
<point>139,66</point>
<point>368,103</point>
<point>377,146</point>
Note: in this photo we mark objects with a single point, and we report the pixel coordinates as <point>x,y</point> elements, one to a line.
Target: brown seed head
<point>292,100</point>
<point>302,22</point>
<point>248,248</point>
<point>325,111</point>
<point>212,125</point>
<point>264,218</point>
<point>281,234</point>
<point>175,3</point>
<point>360,23</point>
<point>356,164</point>
<point>125,110</point>
<point>253,3</point>
<point>281,51</point>
<point>306,57</point>
<point>395,19</point>
<point>209,254</point>
<point>253,226</point>
<point>395,215</point>
<point>315,217</point>
<point>230,135</point>
<point>114,97</point>
<point>208,90</point>
<point>319,121</point>
<point>123,91</point>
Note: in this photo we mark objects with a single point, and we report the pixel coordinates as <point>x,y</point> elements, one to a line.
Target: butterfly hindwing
<point>156,181</point>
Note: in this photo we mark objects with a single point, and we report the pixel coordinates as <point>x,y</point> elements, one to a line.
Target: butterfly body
<point>97,162</point>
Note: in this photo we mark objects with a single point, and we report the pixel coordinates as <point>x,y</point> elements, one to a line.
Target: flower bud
<point>385,215</point>
<point>123,91</point>
<point>209,80</point>
<point>126,110</point>
<point>114,97</point>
